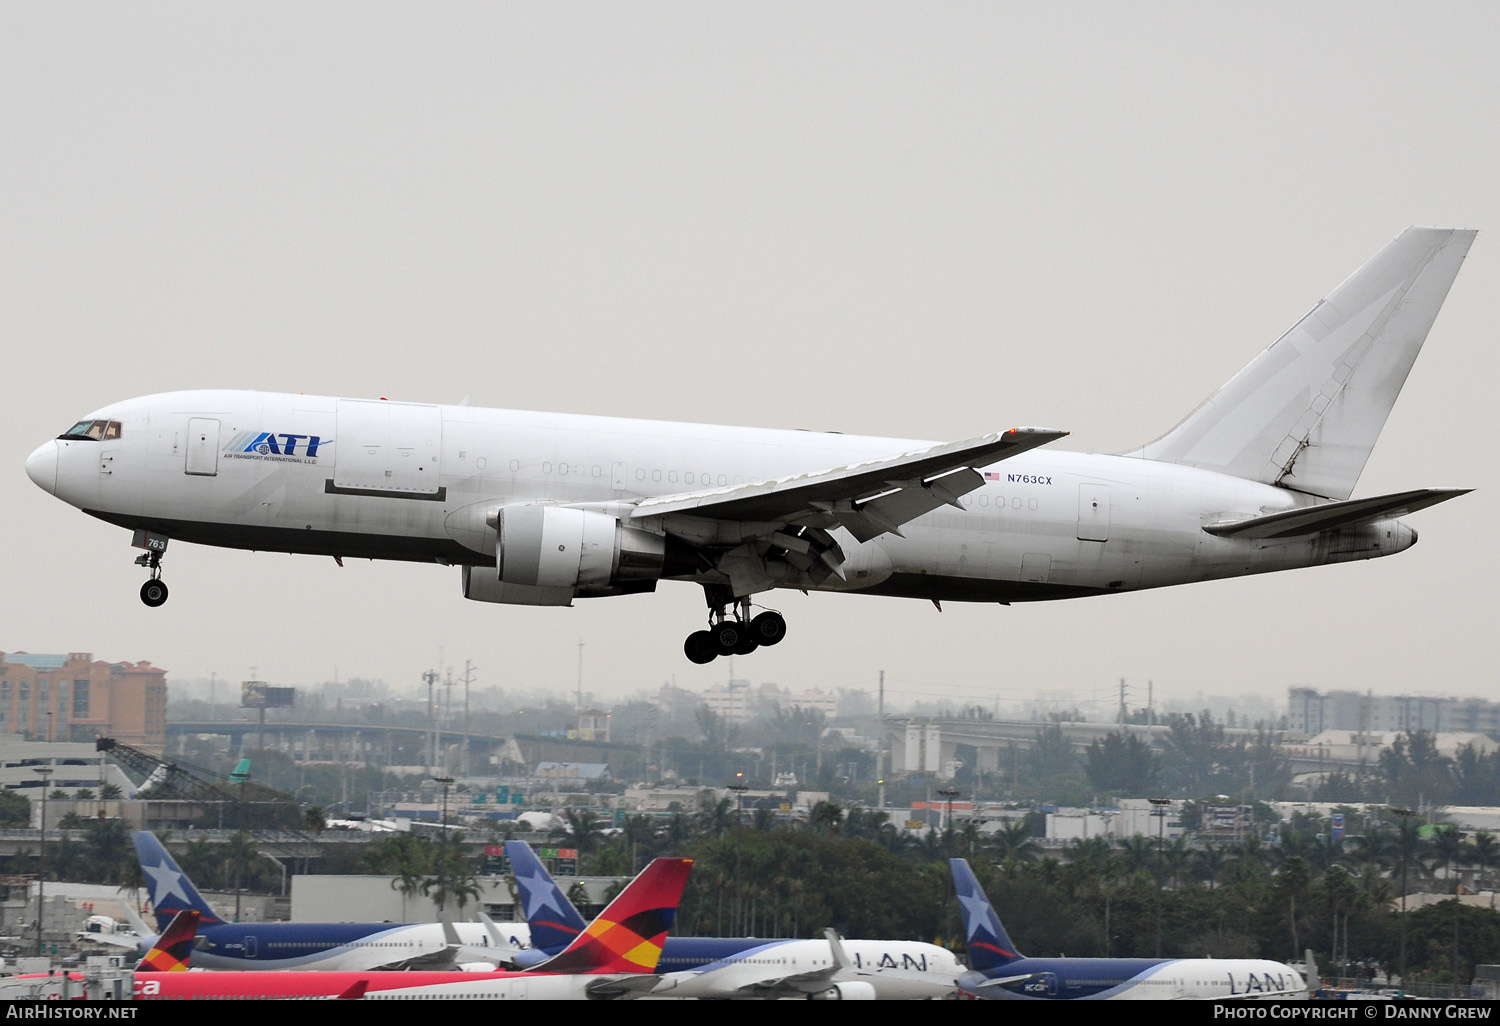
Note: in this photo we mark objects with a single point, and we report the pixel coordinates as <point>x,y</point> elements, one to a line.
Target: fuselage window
<point>656,475</point>
<point>640,475</point>
<point>688,477</point>
<point>672,476</point>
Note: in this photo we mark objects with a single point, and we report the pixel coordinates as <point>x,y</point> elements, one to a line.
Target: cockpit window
<point>93,431</point>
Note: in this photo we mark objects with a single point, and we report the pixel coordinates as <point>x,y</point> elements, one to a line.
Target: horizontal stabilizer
<point>1332,515</point>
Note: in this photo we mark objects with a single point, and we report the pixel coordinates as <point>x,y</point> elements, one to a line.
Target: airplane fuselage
<point>390,480</point>
<point>878,970</point>
<point>334,946</point>
<point>368,985</point>
<point>1135,978</point>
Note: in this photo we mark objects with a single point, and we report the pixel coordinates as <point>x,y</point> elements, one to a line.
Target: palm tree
<point>584,831</point>
<point>640,835</point>
<point>1484,854</point>
<point>824,817</point>
<point>1209,863</point>
<point>1294,877</point>
<point>453,878</point>
<point>1013,845</point>
<point>109,849</point>
<point>408,858</point>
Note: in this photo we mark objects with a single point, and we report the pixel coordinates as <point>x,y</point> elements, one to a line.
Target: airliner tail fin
<point>629,934</point>
<point>1306,412</point>
<point>989,945</point>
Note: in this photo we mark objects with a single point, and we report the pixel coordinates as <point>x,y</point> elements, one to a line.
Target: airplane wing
<point>621,988</point>
<point>1329,516</point>
<point>870,499</point>
<point>997,981</point>
<point>124,941</point>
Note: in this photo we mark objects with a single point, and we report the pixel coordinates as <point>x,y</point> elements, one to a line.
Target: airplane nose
<point>41,466</point>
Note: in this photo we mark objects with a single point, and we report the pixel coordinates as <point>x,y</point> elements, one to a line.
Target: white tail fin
<point>1305,413</point>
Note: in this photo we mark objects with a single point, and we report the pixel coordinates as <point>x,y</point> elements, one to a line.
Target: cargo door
<point>387,448</point>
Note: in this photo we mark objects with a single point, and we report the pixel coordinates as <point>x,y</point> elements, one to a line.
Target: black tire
<point>700,647</point>
<point>154,593</point>
<point>747,643</point>
<point>768,628</point>
<point>727,635</point>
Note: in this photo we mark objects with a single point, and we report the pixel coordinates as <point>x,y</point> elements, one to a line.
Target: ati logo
<point>267,444</point>
<point>249,445</point>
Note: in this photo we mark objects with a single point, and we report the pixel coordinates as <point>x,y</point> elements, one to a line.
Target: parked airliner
<point>226,945</point>
<point>614,957</point>
<point>541,509</point>
<point>745,967</point>
<point>998,970</point>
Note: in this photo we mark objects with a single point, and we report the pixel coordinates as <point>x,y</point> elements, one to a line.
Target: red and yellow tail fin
<point>628,935</point>
<point>173,948</point>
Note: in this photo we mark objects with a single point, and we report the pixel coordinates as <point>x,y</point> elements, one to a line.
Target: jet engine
<point>549,555</point>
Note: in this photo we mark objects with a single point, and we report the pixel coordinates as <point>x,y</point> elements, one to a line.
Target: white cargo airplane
<point>540,509</point>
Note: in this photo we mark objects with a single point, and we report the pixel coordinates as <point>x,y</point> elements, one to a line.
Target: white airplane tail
<point>1305,413</point>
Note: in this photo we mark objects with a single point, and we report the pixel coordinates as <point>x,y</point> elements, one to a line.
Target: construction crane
<point>255,805</point>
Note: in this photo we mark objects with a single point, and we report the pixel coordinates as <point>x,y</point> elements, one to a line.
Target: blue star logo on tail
<point>165,881</point>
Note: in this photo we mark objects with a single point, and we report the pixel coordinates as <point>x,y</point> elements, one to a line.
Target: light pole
<point>1404,836</point>
<point>949,793</point>
<point>45,772</point>
<point>1159,810</point>
<point>443,851</point>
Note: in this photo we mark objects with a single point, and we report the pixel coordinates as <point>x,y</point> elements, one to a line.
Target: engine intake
<point>587,552</point>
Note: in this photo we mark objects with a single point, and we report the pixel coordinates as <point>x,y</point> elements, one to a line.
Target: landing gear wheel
<point>768,628</point>
<point>700,647</point>
<point>747,643</point>
<point>154,593</point>
<point>727,635</point>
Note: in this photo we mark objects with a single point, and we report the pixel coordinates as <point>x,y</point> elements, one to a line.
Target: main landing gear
<point>738,636</point>
<point>154,591</point>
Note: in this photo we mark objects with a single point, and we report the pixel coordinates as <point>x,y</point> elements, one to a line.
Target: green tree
<point>1122,763</point>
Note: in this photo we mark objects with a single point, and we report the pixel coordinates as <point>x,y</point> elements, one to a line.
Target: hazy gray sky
<point>922,220</point>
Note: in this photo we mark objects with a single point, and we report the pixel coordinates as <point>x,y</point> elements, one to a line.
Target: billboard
<point>257,694</point>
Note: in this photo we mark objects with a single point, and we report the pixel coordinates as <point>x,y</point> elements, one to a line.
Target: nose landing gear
<point>738,636</point>
<point>154,591</point>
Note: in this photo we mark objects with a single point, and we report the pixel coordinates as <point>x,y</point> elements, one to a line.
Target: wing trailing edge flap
<point>870,499</point>
<point>1330,516</point>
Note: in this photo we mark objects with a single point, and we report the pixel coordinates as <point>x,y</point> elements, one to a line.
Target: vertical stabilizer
<point>1305,413</point>
<point>989,945</point>
<point>171,890</point>
<point>628,935</point>
<point>553,920</point>
<point>174,948</point>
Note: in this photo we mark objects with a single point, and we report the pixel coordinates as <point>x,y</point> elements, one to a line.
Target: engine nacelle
<point>549,555</point>
<point>854,990</point>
